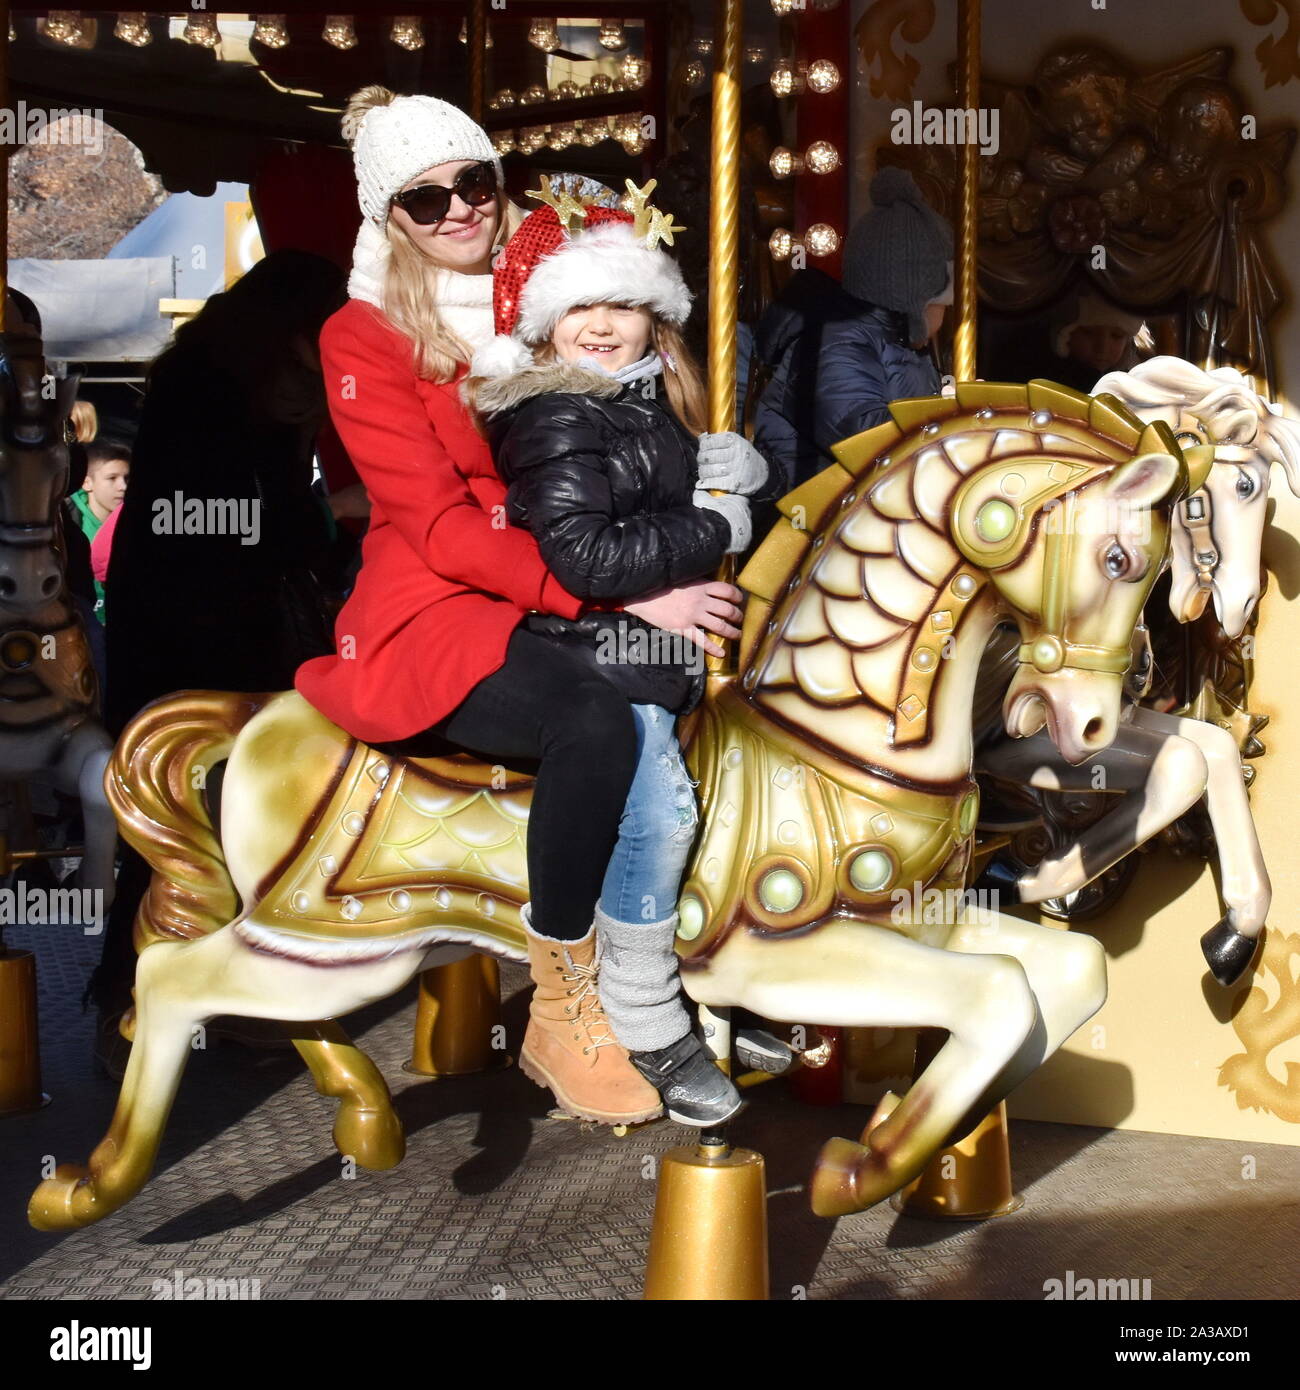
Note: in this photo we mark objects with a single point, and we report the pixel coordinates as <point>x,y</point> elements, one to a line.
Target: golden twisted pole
<point>724,216</point>
<point>724,241</point>
<point>968,156</point>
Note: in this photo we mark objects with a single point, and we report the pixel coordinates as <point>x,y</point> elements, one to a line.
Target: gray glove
<point>735,511</point>
<point>730,463</point>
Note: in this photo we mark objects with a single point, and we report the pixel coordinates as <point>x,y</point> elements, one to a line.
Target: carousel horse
<point>838,805</point>
<point>1160,765</point>
<point>48,720</point>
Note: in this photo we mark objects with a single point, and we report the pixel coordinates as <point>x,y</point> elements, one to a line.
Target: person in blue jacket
<point>839,354</point>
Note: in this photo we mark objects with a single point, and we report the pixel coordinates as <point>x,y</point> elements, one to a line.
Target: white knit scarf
<point>464,301</point>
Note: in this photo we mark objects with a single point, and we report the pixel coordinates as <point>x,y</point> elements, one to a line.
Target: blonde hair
<point>410,281</point>
<point>85,421</point>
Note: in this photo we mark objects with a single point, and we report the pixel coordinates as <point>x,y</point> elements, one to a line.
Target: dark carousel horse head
<point>44,672</point>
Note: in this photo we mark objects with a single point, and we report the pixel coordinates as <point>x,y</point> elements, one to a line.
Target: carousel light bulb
<point>784,163</point>
<point>780,244</point>
<point>589,134</point>
<point>568,90</point>
<point>269,29</point>
<point>755,54</point>
<point>600,84</point>
<point>503,142</point>
<point>532,96</point>
<point>822,157</point>
<point>407,32</point>
<point>628,127</point>
<point>201,29</point>
<point>563,135</point>
<point>63,26</point>
<point>612,35</point>
<point>133,27</point>
<point>823,76</point>
<point>634,146</point>
<point>339,32</point>
<point>504,100</point>
<point>786,6</point>
<point>702,46</point>
<point>634,71</point>
<point>786,78</point>
<point>695,74</point>
<point>543,34</point>
<point>821,240</point>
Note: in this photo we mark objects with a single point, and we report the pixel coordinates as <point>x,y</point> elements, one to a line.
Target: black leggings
<point>572,729</point>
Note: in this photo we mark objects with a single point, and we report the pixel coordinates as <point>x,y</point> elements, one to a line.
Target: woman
<point>431,651</point>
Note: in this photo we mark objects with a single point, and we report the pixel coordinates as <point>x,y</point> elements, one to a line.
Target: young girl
<point>592,407</point>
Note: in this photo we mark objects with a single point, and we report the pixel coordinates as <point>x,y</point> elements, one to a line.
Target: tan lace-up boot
<point>569,1046</point>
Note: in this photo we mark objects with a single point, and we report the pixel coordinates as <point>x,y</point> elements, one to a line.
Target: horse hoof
<point>1228,952</point>
<point>834,1185</point>
<point>1002,876</point>
<point>374,1138</point>
<point>53,1206</point>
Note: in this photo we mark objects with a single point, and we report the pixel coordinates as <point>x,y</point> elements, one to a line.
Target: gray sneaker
<point>694,1088</point>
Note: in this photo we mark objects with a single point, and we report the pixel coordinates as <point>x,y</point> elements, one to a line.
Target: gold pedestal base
<point>969,1180</point>
<point>709,1237</point>
<point>20,1053</point>
<point>459,1019</point>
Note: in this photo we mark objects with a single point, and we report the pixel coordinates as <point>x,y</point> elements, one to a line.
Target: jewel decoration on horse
<point>836,786</point>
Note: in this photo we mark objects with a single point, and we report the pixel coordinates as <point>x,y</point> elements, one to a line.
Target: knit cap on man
<point>898,255</point>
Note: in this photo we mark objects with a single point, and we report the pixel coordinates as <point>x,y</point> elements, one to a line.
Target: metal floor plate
<point>496,1200</point>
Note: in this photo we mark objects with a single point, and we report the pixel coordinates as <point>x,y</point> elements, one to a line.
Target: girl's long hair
<point>683,381</point>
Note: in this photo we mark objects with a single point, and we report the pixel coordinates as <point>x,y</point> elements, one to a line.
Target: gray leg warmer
<point>638,982</point>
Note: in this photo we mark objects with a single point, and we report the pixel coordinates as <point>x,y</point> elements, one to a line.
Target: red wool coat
<point>443,580</point>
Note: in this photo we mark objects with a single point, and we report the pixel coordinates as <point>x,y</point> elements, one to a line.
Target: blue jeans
<point>657,827</point>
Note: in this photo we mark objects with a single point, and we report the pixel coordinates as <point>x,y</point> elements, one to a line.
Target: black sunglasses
<point>428,203</point>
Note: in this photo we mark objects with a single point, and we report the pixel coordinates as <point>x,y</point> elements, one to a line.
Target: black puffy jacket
<point>602,474</point>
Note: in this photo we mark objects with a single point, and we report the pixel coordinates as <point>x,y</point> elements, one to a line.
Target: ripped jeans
<point>657,827</point>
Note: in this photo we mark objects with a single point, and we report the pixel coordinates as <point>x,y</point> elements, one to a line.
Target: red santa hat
<point>580,248</point>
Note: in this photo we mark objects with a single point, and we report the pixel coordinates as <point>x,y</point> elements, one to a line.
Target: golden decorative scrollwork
<point>1279,56</point>
<point>1263,1027</point>
<point>913,19</point>
<point>1161,169</point>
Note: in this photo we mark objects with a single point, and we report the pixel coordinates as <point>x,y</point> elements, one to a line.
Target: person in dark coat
<point>211,581</point>
<point>839,355</point>
<point>593,411</point>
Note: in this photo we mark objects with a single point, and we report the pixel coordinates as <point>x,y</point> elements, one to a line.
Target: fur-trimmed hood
<point>494,396</point>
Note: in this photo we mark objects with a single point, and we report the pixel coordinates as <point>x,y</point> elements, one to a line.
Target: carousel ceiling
<point>201,96</point>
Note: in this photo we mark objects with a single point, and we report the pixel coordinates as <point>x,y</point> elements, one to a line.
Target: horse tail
<point>155,784</point>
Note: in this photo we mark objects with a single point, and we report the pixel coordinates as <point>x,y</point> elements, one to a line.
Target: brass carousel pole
<point>709,1237</point>
<point>458,1019</point>
<point>971,1179</point>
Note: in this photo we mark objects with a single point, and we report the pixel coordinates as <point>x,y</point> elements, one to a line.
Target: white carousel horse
<point>47,683</point>
<point>835,775</point>
<point>1160,765</point>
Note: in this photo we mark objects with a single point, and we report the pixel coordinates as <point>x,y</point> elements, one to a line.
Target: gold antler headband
<point>649,224</point>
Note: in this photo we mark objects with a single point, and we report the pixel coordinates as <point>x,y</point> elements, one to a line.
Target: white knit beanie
<point>396,141</point>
